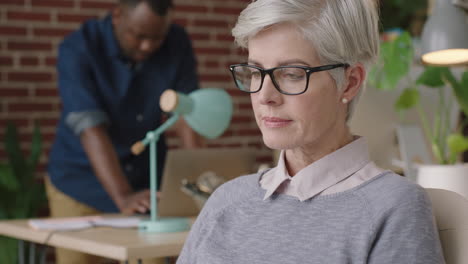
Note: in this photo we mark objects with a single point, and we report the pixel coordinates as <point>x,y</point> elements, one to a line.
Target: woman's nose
<point>269,95</point>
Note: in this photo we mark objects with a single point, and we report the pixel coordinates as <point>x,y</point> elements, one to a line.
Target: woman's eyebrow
<point>253,62</point>
<point>281,63</point>
<point>293,61</point>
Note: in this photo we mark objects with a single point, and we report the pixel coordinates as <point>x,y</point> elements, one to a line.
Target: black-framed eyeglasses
<point>290,80</point>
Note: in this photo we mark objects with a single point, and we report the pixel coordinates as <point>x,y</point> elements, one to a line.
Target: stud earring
<point>344,101</point>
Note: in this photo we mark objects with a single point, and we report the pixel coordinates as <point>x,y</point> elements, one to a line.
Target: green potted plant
<point>20,194</point>
<point>394,64</point>
<point>446,145</point>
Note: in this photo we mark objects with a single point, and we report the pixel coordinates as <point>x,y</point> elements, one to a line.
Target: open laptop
<point>190,164</point>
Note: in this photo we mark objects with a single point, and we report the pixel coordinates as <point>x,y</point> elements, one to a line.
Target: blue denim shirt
<point>95,79</point>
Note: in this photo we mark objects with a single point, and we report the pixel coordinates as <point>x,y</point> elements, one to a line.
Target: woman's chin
<point>277,142</point>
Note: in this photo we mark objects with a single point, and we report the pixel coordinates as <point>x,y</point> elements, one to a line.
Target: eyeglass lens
<point>287,79</point>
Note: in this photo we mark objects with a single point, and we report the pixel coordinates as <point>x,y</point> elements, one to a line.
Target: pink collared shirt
<point>338,171</point>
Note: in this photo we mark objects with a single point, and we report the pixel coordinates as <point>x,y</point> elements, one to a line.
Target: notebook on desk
<point>190,164</point>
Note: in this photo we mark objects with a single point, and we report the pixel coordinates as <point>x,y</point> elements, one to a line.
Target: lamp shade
<point>445,35</point>
<point>207,111</point>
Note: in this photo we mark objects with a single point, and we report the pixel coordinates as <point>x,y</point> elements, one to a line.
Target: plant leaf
<point>464,80</point>
<point>38,199</point>
<point>461,92</point>
<point>12,147</point>
<point>437,153</point>
<point>12,143</point>
<point>457,143</point>
<point>393,64</point>
<point>36,147</point>
<point>21,206</point>
<point>374,76</point>
<point>7,202</point>
<point>408,99</point>
<point>397,56</point>
<point>7,178</point>
<point>433,76</point>
<point>8,250</point>
<point>3,214</point>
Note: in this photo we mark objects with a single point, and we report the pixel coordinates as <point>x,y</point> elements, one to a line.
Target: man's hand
<point>137,202</point>
<point>106,165</point>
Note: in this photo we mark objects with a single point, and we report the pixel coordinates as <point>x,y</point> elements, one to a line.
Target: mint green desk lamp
<point>208,112</point>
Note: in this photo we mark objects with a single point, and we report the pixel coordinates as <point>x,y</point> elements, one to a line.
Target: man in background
<point>111,73</point>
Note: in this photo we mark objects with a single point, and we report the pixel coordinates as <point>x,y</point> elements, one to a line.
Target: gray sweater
<point>384,220</point>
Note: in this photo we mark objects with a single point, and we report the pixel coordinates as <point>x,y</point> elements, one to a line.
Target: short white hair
<point>341,31</point>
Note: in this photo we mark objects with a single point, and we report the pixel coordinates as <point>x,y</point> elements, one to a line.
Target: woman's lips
<point>275,122</point>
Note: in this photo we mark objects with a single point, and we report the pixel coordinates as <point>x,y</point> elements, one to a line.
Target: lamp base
<point>165,225</point>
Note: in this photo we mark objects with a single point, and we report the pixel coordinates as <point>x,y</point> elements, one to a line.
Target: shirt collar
<point>321,174</point>
<point>111,43</point>
<point>275,177</point>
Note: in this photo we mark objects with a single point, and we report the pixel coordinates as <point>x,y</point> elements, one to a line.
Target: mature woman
<point>325,201</point>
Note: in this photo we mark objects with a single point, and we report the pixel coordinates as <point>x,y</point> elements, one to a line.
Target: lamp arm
<point>158,131</point>
<point>139,146</point>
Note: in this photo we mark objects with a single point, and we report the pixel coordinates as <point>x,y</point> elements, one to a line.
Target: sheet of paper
<point>118,222</point>
<point>75,223</point>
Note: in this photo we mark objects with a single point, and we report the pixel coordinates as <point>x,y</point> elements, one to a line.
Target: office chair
<point>451,214</point>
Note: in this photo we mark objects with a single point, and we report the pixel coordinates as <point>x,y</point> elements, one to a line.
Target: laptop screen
<point>190,164</point>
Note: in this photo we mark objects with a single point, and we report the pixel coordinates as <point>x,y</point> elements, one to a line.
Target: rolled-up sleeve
<point>80,98</point>
<point>79,121</point>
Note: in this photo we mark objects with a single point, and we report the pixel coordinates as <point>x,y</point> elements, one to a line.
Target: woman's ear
<point>354,78</point>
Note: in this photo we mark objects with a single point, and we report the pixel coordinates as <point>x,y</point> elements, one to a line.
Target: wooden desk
<point>115,243</point>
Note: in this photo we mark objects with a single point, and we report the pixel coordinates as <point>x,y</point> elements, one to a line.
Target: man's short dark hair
<point>159,7</point>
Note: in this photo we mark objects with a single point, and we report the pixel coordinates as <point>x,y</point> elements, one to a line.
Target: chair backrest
<point>451,215</point>
<point>190,164</point>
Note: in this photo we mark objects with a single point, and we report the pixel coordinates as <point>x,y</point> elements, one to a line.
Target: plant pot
<point>448,177</point>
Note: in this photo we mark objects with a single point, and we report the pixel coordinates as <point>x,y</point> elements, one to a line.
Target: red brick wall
<point>30,31</point>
